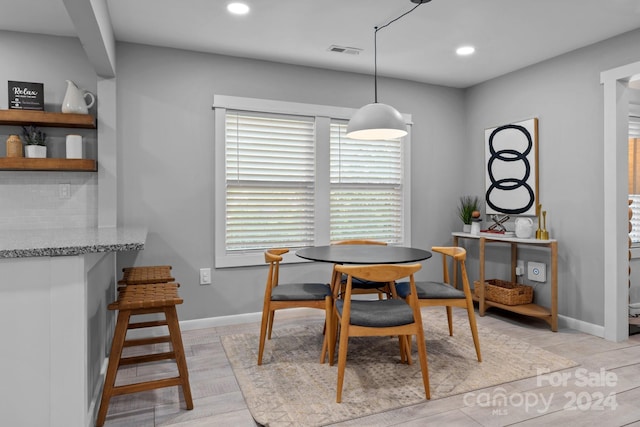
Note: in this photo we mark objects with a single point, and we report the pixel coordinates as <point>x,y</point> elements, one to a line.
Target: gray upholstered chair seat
<point>300,292</point>
<point>378,314</point>
<point>430,290</point>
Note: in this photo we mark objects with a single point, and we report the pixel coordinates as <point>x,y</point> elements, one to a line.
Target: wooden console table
<point>550,315</point>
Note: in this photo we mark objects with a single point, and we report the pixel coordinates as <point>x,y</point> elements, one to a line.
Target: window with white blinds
<point>287,176</point>
<point>270,174</point>
<point>366,197</point>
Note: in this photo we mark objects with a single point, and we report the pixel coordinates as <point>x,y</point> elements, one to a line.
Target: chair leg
<point>450,319</point>
<point>266,315</point>
<point>335,324</point>
<point>403,352</point>
<point>323,353</point>
<point>117,343</point>
<point>409,343</point>
<point>474,328</point>
<point>328,330</point>
<point>405,349</point>
<point>272,315</point>
<point>342,360</point>
<point>424,367</point>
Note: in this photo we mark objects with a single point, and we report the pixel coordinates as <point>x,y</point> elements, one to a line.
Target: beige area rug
<point>292,388</point>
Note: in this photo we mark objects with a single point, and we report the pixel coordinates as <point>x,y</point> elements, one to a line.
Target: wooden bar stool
<point>145,299</point>
<point>146,275</point>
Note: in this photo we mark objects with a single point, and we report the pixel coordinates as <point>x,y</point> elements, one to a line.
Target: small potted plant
<point>468,209</point>
<point>34,140</point>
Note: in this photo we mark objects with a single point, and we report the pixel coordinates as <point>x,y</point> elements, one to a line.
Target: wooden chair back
<point>381,291</point>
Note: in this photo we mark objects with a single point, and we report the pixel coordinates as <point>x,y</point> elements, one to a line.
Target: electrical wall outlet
<point>64,191</point>
<point>205,276</point>
<point>537,271</point>
<point>520,268</point>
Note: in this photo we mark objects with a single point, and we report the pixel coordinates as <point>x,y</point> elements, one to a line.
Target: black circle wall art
<point>511,168</point>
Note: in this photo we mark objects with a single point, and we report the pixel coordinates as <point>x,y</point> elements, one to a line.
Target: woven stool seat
<point>146,275</point>
<point>147,296</point>
<point>145,299</point>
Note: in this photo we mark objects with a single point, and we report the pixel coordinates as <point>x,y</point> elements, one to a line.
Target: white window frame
<point>323,115</point>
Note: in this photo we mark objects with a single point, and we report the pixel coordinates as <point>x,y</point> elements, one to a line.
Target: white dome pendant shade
<point>379,121</point>
<point>376,121</point>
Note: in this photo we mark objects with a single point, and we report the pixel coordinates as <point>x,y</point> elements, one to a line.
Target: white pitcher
<point>75,100</point>
<point>524,227</point>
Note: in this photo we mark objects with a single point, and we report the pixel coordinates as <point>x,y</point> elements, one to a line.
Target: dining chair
<point>282,296</point>
<point>432,294</point>
<point>364,286</point>
<point>387,317</point>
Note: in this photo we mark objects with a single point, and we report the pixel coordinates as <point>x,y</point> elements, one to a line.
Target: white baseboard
<point>582,326</point>
<point>237,319</point>
<point>211,322</point>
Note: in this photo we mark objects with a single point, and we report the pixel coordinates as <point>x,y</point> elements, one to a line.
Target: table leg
<point>455,269</point>
<point>514,261</point>
<point>481,306</point>
<point>554,286</point>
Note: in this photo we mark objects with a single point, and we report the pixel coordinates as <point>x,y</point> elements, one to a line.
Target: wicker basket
<point>507,293</point>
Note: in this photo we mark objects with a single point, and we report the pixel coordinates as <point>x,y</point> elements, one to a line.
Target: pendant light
<point>379,121</point>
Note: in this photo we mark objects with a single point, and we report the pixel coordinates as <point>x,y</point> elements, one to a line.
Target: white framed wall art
<point>511,168</point>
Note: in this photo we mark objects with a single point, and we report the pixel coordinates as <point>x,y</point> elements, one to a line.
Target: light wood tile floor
<point>608,376</point>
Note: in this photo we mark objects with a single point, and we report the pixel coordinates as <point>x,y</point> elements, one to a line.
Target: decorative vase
<point>14,146</point>
<point>524,227</point>
<point>75,100</point>
<point>35,151</point>
<point>475,228</point>
<point>74,146</point>
<point>466,228</point>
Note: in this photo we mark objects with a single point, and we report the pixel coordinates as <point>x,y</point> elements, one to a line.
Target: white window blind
<point>366,188</point>
<point>270,173</point>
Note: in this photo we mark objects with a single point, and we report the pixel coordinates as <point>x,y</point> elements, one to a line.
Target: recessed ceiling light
<point>465,50</point>
<point>238,8</point>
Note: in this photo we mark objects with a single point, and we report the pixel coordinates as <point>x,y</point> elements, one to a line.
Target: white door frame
<point>616,235</point>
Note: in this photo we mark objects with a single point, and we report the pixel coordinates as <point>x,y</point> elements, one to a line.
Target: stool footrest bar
<point>149,385</point>
<point>145,341</point>
<point>149,324</point>
<point>147,358</point>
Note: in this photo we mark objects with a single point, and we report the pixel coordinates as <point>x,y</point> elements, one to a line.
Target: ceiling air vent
<point>343,49</point>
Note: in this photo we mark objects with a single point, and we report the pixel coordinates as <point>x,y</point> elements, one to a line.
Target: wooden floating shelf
<point>30,164</point>
<point>46,119</point>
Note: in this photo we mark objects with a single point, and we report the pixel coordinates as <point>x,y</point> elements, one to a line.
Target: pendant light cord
<point>375,47</point>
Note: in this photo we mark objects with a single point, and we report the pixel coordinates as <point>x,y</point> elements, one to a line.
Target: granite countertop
<point>70,241</point>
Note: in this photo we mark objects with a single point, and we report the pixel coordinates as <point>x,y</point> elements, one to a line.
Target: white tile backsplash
<point>32,200</point>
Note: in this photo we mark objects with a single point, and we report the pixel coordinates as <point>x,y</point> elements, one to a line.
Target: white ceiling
<point>507,34</point>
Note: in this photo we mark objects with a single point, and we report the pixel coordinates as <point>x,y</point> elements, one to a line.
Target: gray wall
<point>566,95</point>
<point>165,154</point>
<point>31,199</point>
<point>165,158</point>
